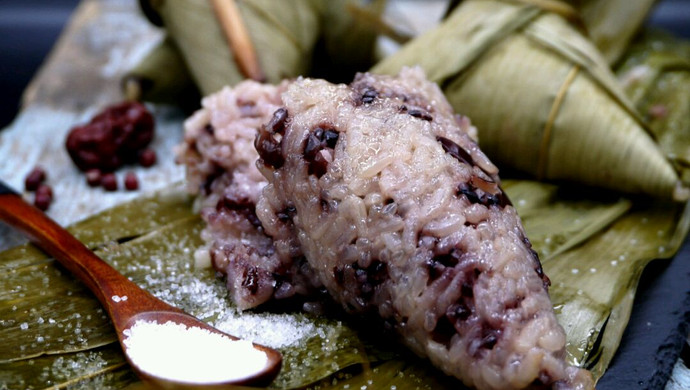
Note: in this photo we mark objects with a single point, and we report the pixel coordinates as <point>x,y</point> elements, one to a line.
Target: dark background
<point>29,28</point>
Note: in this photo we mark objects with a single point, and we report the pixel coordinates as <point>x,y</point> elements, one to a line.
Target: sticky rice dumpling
<point>377,194</point>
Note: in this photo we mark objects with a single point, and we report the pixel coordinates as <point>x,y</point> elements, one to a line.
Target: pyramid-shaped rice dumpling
<point>543,99</point>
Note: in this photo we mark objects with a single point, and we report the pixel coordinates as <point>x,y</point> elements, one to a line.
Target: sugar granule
<point>190,354</point>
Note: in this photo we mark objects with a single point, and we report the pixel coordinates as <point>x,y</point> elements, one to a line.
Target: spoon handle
<point>109,286</point>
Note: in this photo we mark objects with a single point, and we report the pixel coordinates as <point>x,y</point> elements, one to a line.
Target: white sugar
<point>190,354</point>
<point>273,330</point>
<point>117,298</point>
<point>174,278</point>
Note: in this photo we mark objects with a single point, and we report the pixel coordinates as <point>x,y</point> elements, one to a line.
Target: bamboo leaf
<point>594,284</point>
<point>122,222</point>
<point>410,374</point>
<point>557,222</point>
<point>99,368</point>
<point>348,38</point>
<point>611,24</point>
<point>51,316</point>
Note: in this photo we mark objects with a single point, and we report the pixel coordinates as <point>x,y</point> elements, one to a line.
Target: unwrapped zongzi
<point>378,195</point>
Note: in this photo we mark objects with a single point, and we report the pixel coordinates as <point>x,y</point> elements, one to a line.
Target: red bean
<point>131,181</point>
<point>147,157</point>
<point>93,177</point>
<point>42,202</point>
<point>109,182</point>
<point>112,138</point>
<point>34,179</point>
<point>45,189</point>
<point>43,197</point>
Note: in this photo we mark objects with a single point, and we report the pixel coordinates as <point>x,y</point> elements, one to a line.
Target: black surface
<point>5,189</point>
<point>28,30</point>
<point>658,327</point>
<point>672,15</point>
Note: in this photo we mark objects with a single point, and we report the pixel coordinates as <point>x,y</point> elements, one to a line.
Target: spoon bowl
<point>131,308</point>
<point>196,357</point>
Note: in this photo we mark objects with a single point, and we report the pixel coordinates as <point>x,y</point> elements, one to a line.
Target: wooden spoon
<point>126,303</point>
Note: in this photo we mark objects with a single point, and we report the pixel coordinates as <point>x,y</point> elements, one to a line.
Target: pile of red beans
<point>117,136</point>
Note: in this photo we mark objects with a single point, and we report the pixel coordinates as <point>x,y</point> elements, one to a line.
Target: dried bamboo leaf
<point>612,24</point>
<point>543,100</point>
<point>282,34</point>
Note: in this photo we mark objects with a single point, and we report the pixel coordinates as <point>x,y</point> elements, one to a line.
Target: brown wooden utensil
<point>125,302</point>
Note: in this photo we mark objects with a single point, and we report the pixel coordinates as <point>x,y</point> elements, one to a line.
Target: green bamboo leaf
<point>122,222</point>
<point>50,312</point>
<point>51,316</point>
<point>161,262</point>
<point>594,284</point>
<point>556,221</point>
<point>162,76</point>
<point>98,368</point>
<point>348,38</point>
<point>283,35</point>
<point>335,349</point>
<point>409,374</point>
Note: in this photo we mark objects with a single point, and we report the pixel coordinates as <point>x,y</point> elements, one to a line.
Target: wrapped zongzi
<point>543,99</point>
<point>234,40</point>
<point>226,41</point>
